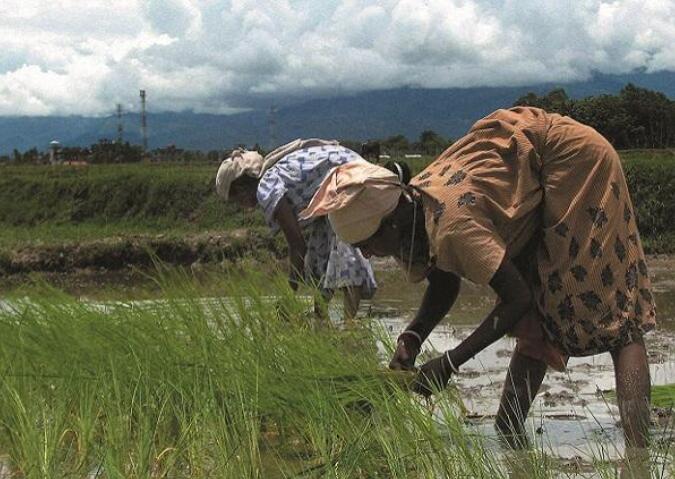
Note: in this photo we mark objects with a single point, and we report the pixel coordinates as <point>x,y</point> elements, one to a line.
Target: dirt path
<point>116,253</point>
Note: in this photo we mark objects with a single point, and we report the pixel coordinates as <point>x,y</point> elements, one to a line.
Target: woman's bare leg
<point>633,391</point>
<point>321,300</point>
<point>523,380</point>
<point>352,299</point>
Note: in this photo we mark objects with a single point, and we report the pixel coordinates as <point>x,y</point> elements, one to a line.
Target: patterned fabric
<point>329,263</point>
<point>550,193</point>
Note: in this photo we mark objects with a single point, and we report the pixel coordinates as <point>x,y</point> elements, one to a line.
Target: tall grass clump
<point>247,386</point>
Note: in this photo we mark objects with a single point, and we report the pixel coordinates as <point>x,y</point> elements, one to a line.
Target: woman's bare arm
<point>440,295</point>
<point>296,242</point>
<point>515,300</point>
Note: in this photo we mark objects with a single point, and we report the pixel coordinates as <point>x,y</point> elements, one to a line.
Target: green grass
<point>56,204</point>
<point>664,396</point>
<point>191,389</point>
<point>51,205</point>
<point>221,388</point>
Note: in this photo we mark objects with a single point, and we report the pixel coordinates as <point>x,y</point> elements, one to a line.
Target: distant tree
<point>431,143</point>
<point>354,145</point>
<point>529,99</point>
<point>31,156</point>
<point>559,101</point>
<point>395,144</point>
<point>371,150</point>
<point>652,111</point>
<point>606,113</point>
<point>74,153</point>
<point>106,151</point>
<point>635,118</point>
<point>556,101</point>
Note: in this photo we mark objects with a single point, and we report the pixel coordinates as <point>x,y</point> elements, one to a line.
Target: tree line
<point>635,118</point>
<point>105,151</point>
<point>429,142</point>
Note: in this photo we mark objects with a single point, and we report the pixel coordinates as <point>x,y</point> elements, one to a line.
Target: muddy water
<point>572,417</point>
<point>396,295</point>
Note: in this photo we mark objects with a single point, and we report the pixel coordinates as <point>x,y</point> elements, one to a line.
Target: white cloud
<point>177,18</point>
<point>83,56</point>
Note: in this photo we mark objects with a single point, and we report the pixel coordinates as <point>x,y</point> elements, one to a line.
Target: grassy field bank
<point>47,210</point>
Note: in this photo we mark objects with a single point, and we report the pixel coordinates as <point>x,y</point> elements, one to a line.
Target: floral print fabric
<point>329,263</point>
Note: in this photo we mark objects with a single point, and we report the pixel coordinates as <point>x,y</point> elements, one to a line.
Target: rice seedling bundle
<point>211,388</point>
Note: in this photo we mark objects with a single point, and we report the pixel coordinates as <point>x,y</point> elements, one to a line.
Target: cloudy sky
<point>84,56</point>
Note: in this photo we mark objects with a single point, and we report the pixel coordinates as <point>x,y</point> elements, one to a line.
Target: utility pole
<point>144,123</point>
<point>120,128</point>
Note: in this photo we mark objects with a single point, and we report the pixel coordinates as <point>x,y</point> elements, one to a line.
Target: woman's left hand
<point>432,376</point>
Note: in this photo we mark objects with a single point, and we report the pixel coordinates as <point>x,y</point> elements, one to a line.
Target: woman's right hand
<point>296,242</point>
<point>408,346</point>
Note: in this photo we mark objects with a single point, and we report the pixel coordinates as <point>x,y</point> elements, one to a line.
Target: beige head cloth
<point>356,197</point>
<point>240,162</point>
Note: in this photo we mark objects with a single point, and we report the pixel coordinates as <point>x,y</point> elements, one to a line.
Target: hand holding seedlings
<point>434,375</point>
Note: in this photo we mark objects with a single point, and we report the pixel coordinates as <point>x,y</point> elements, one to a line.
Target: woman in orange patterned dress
<point>535,205</point>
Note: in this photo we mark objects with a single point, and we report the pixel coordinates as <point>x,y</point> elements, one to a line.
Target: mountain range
<point>373,114</point>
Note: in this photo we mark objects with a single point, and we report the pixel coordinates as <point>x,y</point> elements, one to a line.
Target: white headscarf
<point>240,162</point>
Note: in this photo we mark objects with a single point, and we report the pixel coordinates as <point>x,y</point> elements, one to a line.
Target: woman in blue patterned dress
<point>282,184</point>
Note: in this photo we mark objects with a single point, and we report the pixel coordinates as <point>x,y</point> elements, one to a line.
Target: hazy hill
<point>373,114</point>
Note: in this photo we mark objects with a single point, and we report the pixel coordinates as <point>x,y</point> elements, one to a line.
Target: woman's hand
<point>433,376</point>
<point>408,346</point>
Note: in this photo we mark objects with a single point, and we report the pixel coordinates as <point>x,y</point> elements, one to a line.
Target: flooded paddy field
<point>574,416</point>
<point>297,400</point>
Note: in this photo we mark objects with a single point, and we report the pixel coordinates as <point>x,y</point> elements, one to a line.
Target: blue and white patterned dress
<point>329,263</point>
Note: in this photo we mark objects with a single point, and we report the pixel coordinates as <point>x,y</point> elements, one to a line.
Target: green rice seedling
<point>35,427</point>
<point>195,386</point>
<point>663,396</point>
<point>193,389</point>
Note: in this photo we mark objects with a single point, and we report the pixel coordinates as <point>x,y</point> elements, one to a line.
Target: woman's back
<point>297,176</point>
